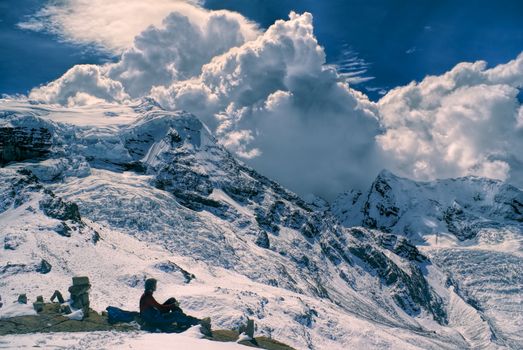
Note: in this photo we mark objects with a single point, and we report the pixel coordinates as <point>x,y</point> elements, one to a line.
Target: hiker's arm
<point>152,302</point>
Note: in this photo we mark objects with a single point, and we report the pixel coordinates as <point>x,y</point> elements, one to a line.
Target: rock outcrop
<point>19,143</point>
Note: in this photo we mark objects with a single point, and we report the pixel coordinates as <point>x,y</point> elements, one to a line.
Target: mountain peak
<point>462,206</point>
<point>151,188</point>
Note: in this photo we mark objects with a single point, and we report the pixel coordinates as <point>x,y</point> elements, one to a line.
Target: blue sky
<point>31,58</point>
<point>404,40</point>
<point>394,41</point>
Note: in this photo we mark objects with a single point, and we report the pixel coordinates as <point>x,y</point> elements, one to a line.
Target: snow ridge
<point>471,228</point>
<point>125,192</point>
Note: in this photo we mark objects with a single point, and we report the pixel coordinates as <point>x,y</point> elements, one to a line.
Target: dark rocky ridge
<point>409,289</point>
<point>18,143</point>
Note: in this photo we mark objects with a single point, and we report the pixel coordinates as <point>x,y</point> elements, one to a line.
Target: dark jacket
<point>147,303</point>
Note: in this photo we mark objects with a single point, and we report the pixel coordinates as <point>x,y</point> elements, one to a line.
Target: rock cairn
<point>80,294</point>
<point>247,328</point>
<point>58,296</point>
<point>38,305</point>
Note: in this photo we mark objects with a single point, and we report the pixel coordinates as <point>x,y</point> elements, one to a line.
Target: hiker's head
<point>150,284</point>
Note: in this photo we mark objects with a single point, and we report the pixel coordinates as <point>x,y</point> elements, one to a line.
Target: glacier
<point>470,227</point>
<point>125,192</point>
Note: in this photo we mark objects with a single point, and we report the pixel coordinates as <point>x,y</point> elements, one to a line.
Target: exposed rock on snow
<point>462,207</point>
<point>471,228</point>
<point>143,192</point>
<point>21,143</point>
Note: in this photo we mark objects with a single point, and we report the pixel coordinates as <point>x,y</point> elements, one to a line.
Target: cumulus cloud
<point>510,73</point>
<point>178,49</point>
<point>114,24</point>
<point>274,102</point>
<point>271,99</point>
<point>466,121</point>
<point>174,51</point>
<point>80,85</point>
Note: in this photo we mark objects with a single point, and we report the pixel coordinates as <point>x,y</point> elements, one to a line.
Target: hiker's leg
<point>169,301</point>
<point>150,315</point>
<point>172,301</point>
<point>155,318</point>
<point>169,317</point>
<point>166,323</point>
<point>182,319</point>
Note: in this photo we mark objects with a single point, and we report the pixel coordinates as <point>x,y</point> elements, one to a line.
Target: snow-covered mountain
<point>462,207</point>
<point>470,227</point>
<point>121,192</point>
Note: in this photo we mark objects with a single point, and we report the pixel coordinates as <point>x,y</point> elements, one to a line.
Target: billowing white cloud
<point>80,85</point>
<point>466,121</point>
<point>160,56</point>
<point>178,49</point>
<point>114,24</point>
<point>520,119</point>
<point>510,73</point>
<point>247,75</point>
<point>273,101</point>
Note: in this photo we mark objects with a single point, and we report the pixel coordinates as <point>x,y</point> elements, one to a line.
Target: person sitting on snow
<point>163,316</point>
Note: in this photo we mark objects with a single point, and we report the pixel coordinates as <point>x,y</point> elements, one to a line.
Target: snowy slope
<point>471,228</point>
<point>124,192</point>
<point>462,207</point>
<point>113,340</point>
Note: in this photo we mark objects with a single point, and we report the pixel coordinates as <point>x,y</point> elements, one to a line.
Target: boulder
<point>38,306</point>
<point>22,299</point>
<point>44,267</point>
<point>263,240</point>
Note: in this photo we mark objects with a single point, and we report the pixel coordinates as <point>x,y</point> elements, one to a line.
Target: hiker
<point>163,316</point>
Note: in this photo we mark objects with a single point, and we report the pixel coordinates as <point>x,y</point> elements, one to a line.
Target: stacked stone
<point>80,294</point>
<point>38,305</point>
<point>58,296</point>
<point>247,328</point>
